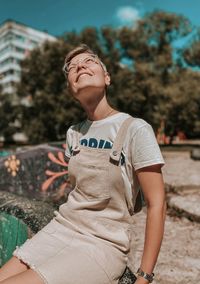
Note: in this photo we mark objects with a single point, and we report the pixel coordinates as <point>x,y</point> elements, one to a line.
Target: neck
<point>98,109</point>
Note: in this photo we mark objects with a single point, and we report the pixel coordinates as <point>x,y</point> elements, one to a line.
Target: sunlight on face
<point>85,72</point>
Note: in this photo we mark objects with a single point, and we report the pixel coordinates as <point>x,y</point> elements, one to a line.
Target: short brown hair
<point>82,48</point>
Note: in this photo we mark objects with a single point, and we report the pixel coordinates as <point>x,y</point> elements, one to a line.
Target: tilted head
<point>83,48</point>
<point>85,71</point>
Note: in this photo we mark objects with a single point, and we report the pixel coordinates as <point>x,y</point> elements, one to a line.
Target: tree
<point>192,50</point>
<point>184,113</point>
<point>146,77</point>
<point>150,48</point>
<point>51,109</point>
<point>8,116</point>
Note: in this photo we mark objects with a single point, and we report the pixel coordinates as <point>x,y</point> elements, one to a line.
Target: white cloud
<point>128,15</point>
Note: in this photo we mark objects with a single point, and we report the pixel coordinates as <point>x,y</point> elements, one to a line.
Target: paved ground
<point>180,170</point>
<point>179,261</point>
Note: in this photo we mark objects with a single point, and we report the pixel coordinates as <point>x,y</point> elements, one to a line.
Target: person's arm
<point>151,181</point>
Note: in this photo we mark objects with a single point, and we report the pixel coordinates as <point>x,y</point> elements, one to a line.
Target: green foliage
<point>192,51</point>
<point>184,111</point>
<point>163,90</point>
<point>153,85</point>
<point>9,115</point>
<point>51,108</point>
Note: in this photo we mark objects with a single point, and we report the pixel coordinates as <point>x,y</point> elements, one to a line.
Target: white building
<point>16,41</point>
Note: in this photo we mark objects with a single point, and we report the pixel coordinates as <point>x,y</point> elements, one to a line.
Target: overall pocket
<point>93,182</point>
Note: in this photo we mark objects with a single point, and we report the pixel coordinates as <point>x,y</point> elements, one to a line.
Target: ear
<point>107,79</point>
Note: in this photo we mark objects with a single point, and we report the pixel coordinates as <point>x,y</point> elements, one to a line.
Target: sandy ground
<point>178,261</point>
<point>180,170</point>
<point>179,258</point>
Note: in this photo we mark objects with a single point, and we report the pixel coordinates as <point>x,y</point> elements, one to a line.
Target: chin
<point>87,88</point>
<point>87,95</point>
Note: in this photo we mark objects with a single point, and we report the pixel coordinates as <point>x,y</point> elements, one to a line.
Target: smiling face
<point>86,73</point>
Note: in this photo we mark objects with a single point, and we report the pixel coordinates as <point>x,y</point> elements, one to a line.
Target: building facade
<point>16,42</point>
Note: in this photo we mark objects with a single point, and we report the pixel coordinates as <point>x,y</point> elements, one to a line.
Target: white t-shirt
<point>140,149</point>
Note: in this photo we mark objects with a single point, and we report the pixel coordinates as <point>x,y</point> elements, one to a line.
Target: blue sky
<point>58,16</point>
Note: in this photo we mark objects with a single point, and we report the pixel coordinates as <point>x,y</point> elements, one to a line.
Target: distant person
<point>110,154</point>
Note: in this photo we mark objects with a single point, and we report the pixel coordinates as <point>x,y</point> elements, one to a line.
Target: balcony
<point>10,78</point>
<point>9,66</point>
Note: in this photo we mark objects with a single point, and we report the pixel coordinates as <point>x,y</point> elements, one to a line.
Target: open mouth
<point>81,74</point>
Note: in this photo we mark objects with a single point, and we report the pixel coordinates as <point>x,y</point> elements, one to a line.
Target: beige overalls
<point>88,240</point>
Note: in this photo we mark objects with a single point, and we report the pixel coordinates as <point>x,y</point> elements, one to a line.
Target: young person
<point>110,155</point>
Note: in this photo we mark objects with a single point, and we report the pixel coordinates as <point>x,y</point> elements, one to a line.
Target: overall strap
<point>75,140</point>
<point>119,140</point>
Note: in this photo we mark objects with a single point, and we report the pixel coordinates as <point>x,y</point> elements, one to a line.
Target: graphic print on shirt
<point>94,143</point>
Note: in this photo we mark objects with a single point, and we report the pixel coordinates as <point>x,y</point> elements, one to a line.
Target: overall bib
<point>88,240</point>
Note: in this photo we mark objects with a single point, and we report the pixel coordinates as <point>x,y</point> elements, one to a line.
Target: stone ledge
<point>34,213</point>
<point>185,206</point>
<point>195,154</point>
